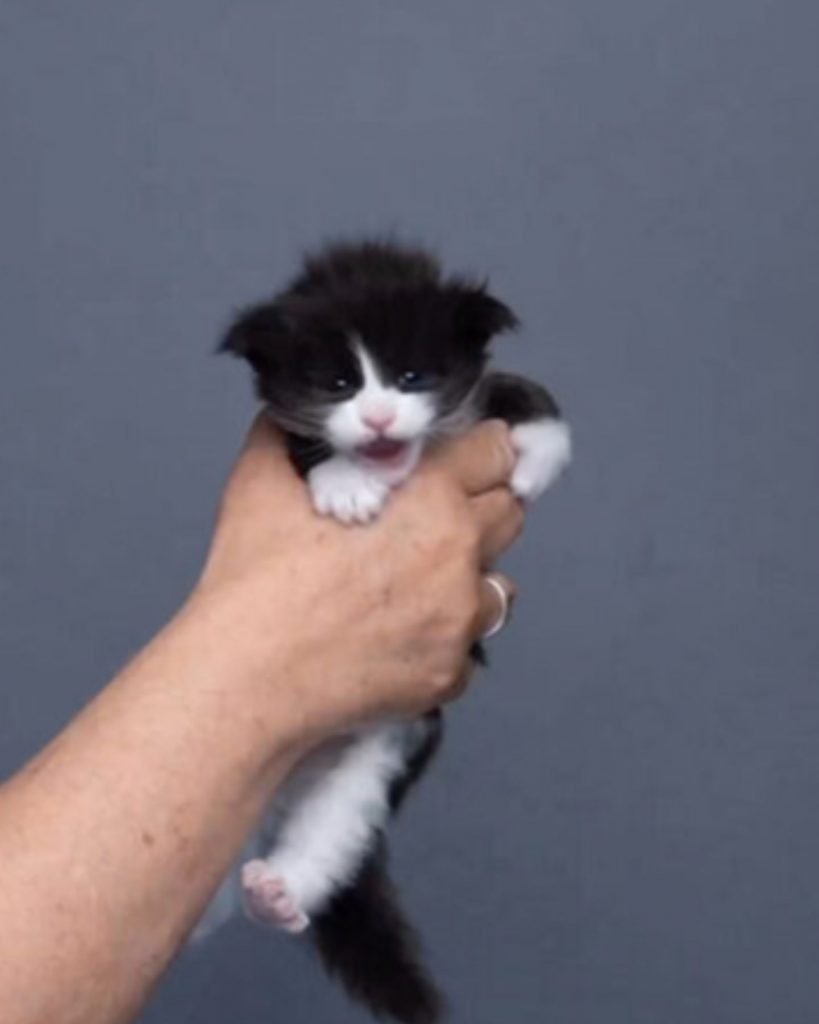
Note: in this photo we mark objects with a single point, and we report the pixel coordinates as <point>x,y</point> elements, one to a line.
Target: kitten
<point>368,357</point>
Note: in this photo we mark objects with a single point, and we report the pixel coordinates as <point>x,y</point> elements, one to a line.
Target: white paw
<point>544,450</point>
<point>345,491</point>
<point>268,898</point>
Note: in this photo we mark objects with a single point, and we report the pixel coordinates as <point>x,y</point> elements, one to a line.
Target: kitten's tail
<point>365,940</point>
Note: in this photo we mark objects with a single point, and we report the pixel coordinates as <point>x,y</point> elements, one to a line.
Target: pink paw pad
<point>268,900</point>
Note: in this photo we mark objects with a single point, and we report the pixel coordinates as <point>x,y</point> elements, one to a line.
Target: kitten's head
<point>370,350</point>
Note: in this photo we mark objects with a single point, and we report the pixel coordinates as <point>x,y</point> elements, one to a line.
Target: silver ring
<point>503,616</point>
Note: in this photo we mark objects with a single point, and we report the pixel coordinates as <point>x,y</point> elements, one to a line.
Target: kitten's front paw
<point>544,450</point>
<point>268,900</point>
<point>346,492</point>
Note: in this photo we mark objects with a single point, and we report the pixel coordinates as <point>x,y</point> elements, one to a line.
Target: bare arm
<point>114,837</point>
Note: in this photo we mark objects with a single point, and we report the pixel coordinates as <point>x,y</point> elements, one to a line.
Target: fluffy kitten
<point>367,357</point>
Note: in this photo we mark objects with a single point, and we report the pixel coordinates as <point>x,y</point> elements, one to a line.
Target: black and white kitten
<point>369,356</point>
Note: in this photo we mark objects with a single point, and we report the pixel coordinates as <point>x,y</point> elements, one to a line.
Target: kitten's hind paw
<point>268,900</point>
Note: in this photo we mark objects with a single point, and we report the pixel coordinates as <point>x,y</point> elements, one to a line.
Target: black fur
<point>419,760</point>
<point>397,301</point>
<point>365,940</point>
<point>514,399</point>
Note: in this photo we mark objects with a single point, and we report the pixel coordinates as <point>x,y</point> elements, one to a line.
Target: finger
<point>500,516</point>
<point>494,606</point>
<point>481,459</point>
<point>459,687</point>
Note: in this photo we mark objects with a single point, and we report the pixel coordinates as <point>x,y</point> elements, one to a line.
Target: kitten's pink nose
<point>378,419</point>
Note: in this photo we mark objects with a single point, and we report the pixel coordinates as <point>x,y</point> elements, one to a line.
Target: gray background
<point>623,828</point>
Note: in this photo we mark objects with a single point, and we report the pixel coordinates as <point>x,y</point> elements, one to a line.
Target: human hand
<point>356,624</point>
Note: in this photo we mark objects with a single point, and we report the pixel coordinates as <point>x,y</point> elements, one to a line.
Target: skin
<point>114,837</point>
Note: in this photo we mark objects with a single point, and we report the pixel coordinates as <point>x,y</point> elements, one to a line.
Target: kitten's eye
<point>340,383</point>
<point>411,380</point>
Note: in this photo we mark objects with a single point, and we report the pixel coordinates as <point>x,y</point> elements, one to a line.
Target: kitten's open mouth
<point>384,449</point>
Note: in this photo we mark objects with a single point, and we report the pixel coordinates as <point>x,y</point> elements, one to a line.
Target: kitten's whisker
<point>303,425</point>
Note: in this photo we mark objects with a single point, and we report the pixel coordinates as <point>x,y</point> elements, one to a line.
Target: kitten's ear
<point>480,316</point>
<point>256,335</point>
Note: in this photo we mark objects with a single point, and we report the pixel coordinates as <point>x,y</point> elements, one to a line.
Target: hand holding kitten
<point>374,622</point>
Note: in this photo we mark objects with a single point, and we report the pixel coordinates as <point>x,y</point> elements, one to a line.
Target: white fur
<point>346,490</point>
<point>332,814</point>
<point>544,450</point>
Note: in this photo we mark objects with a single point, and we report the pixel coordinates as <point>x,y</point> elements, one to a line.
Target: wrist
<point>259,670</point>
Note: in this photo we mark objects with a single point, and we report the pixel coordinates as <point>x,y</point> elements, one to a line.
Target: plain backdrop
<point>623,828</point>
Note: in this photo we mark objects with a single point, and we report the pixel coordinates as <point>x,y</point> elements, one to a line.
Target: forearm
<point>115,836</point>
<point>113,839</point>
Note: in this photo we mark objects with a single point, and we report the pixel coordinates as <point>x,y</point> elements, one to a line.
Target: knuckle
<point>442,681</point>
<point>517,517</point>
<point>504,503</point>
